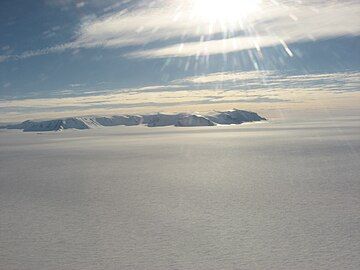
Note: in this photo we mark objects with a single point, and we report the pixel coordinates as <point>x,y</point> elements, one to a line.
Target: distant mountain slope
<point>154,120</point>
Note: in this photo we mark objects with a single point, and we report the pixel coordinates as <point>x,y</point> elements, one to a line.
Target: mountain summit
<point>232,117</point>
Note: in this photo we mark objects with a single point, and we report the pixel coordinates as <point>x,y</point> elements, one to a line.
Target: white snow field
<point>270,195</point>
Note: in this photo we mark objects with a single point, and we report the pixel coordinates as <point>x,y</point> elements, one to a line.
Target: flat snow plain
<point>276,195</point>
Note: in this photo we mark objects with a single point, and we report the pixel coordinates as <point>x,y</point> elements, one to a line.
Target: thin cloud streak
<point>269,90</point>
<point>206,47</point>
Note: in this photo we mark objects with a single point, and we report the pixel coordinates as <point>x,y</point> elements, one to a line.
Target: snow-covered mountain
<point>153,120</point>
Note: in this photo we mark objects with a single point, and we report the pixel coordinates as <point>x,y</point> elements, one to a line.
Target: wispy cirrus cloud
<point>274,24</point>
<point>204,48</point>
<point>171,28</point>
<point>340,81</point>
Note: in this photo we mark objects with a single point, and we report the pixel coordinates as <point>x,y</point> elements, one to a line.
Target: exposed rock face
<point>162,120</point>
<point>194,121</point>
<point>235,117</point>
<point>155,120</point>
<point>121,120</point>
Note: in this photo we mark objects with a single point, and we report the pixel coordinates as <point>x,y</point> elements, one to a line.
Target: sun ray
<point>225,11</point>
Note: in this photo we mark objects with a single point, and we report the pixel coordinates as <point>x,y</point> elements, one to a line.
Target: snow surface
<point>272,195</point>
<point>156,120</point>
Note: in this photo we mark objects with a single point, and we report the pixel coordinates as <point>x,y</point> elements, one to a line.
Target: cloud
<point>226,76</point>
<point>45,51</point>
<point>6,48</point>
<point>248,90</point>
<point>171,28</point>
<point>205,48</point>
<point>274,25</point>
<point>3,58</point>
<point>176,19</point>
<point>334,82</point>
<point>80,4</point>
<point>6,85</point>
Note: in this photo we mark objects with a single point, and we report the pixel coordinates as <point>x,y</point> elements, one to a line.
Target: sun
<point>230,11</point>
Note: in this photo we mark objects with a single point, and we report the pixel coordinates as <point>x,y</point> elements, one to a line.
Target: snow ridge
<point>154,120</point>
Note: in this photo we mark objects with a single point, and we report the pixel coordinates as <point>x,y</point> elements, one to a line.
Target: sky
<point>73,57</point>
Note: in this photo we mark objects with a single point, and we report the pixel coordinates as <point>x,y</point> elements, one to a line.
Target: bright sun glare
<point>229,11</point>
